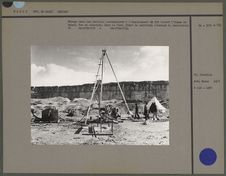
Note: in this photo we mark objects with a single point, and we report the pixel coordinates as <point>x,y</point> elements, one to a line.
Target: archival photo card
<point>113,88</point>
<point>100,95</point>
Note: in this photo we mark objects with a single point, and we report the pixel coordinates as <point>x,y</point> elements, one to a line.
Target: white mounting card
<point>52,44</point>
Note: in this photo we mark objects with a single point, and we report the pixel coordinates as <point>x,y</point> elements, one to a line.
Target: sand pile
<point>56,101</point>
<point>61,100</point>
<point>81,101</point>
<point>81,105</point>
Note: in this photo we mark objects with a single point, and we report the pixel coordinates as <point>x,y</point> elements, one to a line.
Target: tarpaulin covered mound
<point>37,106</point>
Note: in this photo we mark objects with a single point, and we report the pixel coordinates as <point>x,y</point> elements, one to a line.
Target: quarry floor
<point>126,133</point>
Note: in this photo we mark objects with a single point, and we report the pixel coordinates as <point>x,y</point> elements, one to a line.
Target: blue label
<point>208,156</point>
<point>18,4</point>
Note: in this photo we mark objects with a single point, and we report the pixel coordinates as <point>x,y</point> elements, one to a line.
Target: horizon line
<point>103,83</point>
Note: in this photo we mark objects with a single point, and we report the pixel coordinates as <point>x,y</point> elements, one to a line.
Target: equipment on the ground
<point>78,130</point>
<point>49,115</point>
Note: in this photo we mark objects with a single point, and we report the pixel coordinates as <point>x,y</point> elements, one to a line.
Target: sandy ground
<point>126,133</point>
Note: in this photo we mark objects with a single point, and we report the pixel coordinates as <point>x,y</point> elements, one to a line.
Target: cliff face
<point>133,91</point>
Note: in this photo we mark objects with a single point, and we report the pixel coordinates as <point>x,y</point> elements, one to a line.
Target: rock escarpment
<point>133,91</point>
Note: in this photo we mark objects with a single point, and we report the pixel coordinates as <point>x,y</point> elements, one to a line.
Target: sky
<point>76,65</point>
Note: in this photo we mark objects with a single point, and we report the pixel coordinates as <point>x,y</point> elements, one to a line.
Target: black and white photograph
<point>100,95</point>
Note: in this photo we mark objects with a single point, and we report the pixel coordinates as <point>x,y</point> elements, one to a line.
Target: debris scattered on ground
<point>126,131</point>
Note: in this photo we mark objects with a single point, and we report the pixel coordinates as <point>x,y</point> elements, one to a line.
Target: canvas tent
<point>158,104</point>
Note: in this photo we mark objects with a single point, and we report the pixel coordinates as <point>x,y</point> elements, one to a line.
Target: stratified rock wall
<point>133,91</point>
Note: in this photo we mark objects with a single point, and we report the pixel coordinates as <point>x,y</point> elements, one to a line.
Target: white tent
<point>158,104</point>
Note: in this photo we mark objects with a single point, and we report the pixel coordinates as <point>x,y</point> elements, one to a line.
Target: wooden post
<point>112,125</point>
<point>93,92</point>
<point>99,112</point>
<point>118,83</point>
<point>101,87</point>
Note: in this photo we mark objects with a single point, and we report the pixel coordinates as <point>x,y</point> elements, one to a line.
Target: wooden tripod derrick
<point>99,83</point>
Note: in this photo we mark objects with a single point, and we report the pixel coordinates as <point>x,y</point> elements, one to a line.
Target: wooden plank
<point>78,130</point>
<point>99,134</point>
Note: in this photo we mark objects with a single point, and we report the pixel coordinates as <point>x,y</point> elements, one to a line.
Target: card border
<point>161,1</point>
